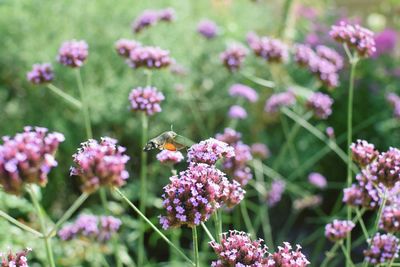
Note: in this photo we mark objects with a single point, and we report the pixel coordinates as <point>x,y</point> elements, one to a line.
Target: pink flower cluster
<point>317,180</point>
<point>146,99</point>
<point>233,57</point>
<point>331,55</point>
<point>18,259</point>
<point>207,28</point>
<point>287,257</point>
<point>320,104</point>
<point>386,168</point>
<point>278,100</point>
<point>272,50</point>
<point>125,46</point>
<point>338,230</point>
<point>151,17</point>
<point>394,100</point>
<point>169,157</point>
<point>259,150</point>
<point>27,158</point>
<point>73,53</point>
<point>100,164</point>
<point>363,153</point>
<point>241,90</point>
<point>390,219</point>
<point>210,151</point>
<point>382,248</point>
<point>149,57</point>
<point>275,193</point>
<point>237,112</point>
<point>355,36</point>
<point>91,226</point>
<point>41,73</point>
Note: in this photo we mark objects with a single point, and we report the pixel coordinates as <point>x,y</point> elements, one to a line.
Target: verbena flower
<point>242,174</point>
<point>325,71</point>
<point>207,28</point>
<point>304,54</point>
<point>41,73</point>
<point>275,192</point>
<point>229,136</point>
<point>209,151</point>
<point>193,196</point>
<point>244,91</point>
<point>320,104</point>
<point>100,164</point>
<point>151,17</point>
<point>330,132</point>
<point>317,179</point>
<point>394,101</point>
<point>18,259</point>
<point>338,230</point>
<point>99,228</point>
<point>167,14</point>
<point>237,112</point>
<point>287,257</point>
<point>27,158</point>
<point>233,57</point>
<point>355,36</point>
<point>270,49</point>
<point>125,46</point>
<point>385,41</point>
<point>390,219</point>
<point>235,194</point>
<point>237,249</point>
<point>386,168</point>
<point>278,100</point>
<point>147,99</point>
<point>237,166</point>
<point>331,55</point>
<point>73,53</point>
<point>169,157</point>
<point>382,248</point>
<point>307,202</point>
<point>259,150</point>
<point>363,153</point>
<point>149,57</point>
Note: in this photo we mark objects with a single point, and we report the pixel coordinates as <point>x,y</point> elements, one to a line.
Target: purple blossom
<point>100,164</point>
<point>394,100</point>
<point>146,19</point>
<point>355,36</point>
<point>73,53</point>
<point>149,57</point>
<point>386,168</point>
<point>303,54</point>
<point>287,257</point>
<point>272,50</point>
<point>320,104</point>
<point>382,248</point>
<point>167,14</point>
<point>242,174</point>
<point>244,91</point>
<point>275,192</point>
<point>147,99</point>
<point>169,157</point>
<point>331,55</point>
<point>235,195</point>
<point>259,150</point>
<point>125,46</point>
<point>385,42</point>
<point>18,259</point>
<point>207,28</point>
<point>338,230</point>
<point>233,57</point>
<point>325,71</point>
<point>41,73</point>
<point>330,132</point>
<point>317,179</point>
<point>209,151</point>
<point>27,157</point>
<point>237,112</point>
<point>229,136</point>
<point>278,100</point>
<point>363,153</point>
<point>237,166</point>
<point>390,219</point>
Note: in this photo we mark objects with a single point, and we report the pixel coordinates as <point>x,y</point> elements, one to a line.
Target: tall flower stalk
<point>85,107</point>
<point>195,247</point>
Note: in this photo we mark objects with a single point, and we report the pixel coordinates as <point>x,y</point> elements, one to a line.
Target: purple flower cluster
<point>100,164</point>
<point>355,36</point>
<point>125,46</point>
<point>169,157</point>
<point>275,192</point>
<point>90,226</point>
<point>207,28</point>
<point>18,259</point>
<point>235,194</point>
<point>272,50</point>
<point>278,100</point>
<point>41,73</point>
<point>287,257</point>
<point>382,248</point>
<point>338,230</point>
<point>27,158</point>
<point>259,150</point>
<point>386,168</point>
<point>237,112</point>
<point>151,17</point>
<point>320,104</point>
<point>331,55</point>
<point>149,57</point>
<point>363,153</point>
<point>385,41</point>
<point>193,196</point>
<point>394,101</point>
<point>209,151</point>
<point>307,202</point>
<point>229,136</point>
<point>73,53</point>
<point>317,179</point>
<point>146,99</point>
<point>390,219</point>
<point>241,90</point>
<point>233,57</point>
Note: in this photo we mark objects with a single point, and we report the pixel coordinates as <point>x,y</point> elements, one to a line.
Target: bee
<point>165,141</point>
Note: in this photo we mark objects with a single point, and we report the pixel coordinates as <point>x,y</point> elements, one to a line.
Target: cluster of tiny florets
<point>320,104</point>
<point>169,157</point>
<point>338,230</point>
<point>100,164</point>
<point>317,179</point>
<point>355,36</point>
<point>91,226</point>
<point>331,55</point>
<point>275,193</point>
<point>394,101</point>
<point>390,219</point>
<point>386,168</point>
<point>363,153</point>
<point>18,259</point>
<point>276,101</point>
<point>210,151</point>
<point>382,248</point>
<point>73,53</point>
<point>207,28</point>
<point>287,257</point>
<point>125,46</point>
<point>149,57</point>
<point>27,158</point>
<point>233,57</point>
<point>235,194</point>
<point>147,99</point>
<point>259,150</point>
<point>237,165</point>
<point>237,112</point>
<point>151,17</point>
<point>40,73</point>
<point>241,90</point>
<point>270,49</point>
<point>229,136</point>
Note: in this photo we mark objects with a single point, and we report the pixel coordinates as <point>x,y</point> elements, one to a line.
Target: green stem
<point>330,254</point>
<point>285,17</point>
<point>68,99</point>
<point>78,202</point>
<point>85,107</point>
<point>152,225</point>
<point>218,225</point>
<point>380,211</point>
<point>47,241</point>
<point>195,247</point>
<point>246,218</point>
<point>289,141</point>
<point>346,255</point>
<point>207,231</point>
<point>364,229</point>
<point>19,224</point>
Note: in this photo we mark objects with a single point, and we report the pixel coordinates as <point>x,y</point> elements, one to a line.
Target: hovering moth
<point>165,141</point>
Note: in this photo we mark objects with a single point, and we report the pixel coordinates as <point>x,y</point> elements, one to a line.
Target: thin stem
<point>47,241</point>
<point>289,141</point>
<point>364,229</point>
<point>68,99</point>
<point>207,231</point>
<point>285,17</point>
<point>85,108</point>
<point>78,202</point>
<point>246,218</point>
<point>381,208</point>
<point>152,225</point>
<point>218,226</point>
<point>19,224</point>
<point>195,247</point>
<point>330,254</point>
<point>346,254</point>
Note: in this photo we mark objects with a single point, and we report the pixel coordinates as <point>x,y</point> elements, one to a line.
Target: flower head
<point>149,57</point>
<point>233,57</point>
<point>276,101</point>
<point>41,73</point>
<point>146,99</point>
<point>235,195</point>
<point>330,132</point>
<point>209,151</point>
<point>146,19</point>
<point>167,14</point>
<point>390,219</point>
<point>237,112</point>
<point>386,168</point>
<point>287,257</point>
<point>237,166</point>
<point>363,153</point>
<point>272,50</point>
<point>100,164</point>
<point>27,157</point>
<point>317,179</point>
<point>382,248</point>
<point>385,41</point>
<point>169,157</point>
<point>73,53</point>
<point>303,54</point>
<point>331,55</point>
<point>338,230</point>
<point>125,46</point>
<point>207,28</point>
<point>275,193</point>
<point>229,136</point>
<point>320,104</point>
<point>18,259</point>
<point>244,91</point>
<point>259,150</point>
<point>394,101</point>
